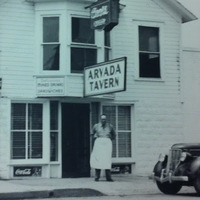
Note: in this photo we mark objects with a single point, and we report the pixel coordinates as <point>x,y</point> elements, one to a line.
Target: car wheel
<point>197,184</point>
<point>169,188</point>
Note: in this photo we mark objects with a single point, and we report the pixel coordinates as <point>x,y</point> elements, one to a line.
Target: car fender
<point>160,165</point>
<point>195,165</point>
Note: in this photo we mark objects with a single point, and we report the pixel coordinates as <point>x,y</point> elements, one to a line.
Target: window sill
<point>150,79</point>
<point>28,162</point>
<point>123,161</point>
<point>76,74</point>
<point>54,163</point>
<point>49,75</point>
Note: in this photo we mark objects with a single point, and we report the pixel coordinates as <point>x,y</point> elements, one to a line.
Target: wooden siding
<point>17,46</point>
<point>124,42</point>
<point>191,94</point>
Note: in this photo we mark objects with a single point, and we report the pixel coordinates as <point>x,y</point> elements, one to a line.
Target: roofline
<point>187,16</point>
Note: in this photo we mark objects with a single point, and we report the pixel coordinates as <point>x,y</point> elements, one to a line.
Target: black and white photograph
<point>99,99</point>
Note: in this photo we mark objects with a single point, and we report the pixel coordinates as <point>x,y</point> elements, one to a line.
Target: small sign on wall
<point>121,169</point>
<point>35,171</point>
<point>47,87</point>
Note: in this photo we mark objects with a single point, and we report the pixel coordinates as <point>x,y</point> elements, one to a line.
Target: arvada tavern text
<point>104,78</point>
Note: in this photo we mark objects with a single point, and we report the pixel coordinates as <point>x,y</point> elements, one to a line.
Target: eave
<point>186,15</point>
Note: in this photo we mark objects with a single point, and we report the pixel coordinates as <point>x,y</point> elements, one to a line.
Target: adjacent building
<point>45,114</point>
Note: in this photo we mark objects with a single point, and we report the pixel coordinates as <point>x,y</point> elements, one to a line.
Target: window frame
<point>107,47</point>
<point>50,43</point>
<point>130,159</point>
<point>56,132</point>
<point>160,26</point>
<point>80,45</point>
<point>39,42</point>
<point>65,27</point>
<point>27,131</point>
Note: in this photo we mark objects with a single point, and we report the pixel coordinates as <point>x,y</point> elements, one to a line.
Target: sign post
<point>106,77</point>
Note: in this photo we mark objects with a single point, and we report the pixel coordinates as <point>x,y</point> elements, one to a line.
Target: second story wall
<point>21,45</point>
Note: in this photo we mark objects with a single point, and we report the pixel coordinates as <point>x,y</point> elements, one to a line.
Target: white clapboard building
<point>64,62</point>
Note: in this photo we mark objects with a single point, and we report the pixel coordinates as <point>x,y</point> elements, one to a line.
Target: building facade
<point>45,119</point>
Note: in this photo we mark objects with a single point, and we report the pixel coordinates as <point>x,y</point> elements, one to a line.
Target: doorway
<point>75,140</point>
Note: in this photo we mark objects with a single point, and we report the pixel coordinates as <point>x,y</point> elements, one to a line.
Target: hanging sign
<point>106,77</point>
<point>104,14</point>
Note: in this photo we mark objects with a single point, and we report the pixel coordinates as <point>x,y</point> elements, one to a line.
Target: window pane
<point>35,116</point>
<point>124,144</point>
<point>54,146</point>
<point>107,38</point>
<point>81,31</point>
<point>150,65</point>
<point>82,57</point>
<point>110,112</point>
<point>107,54</point>
<point>18,145</point>
<point>18,116</point>
<point>124,118</point>
<point>50,29</point>
<point>114,152</point>
<point>148,39</point>
<point>51,55</point>
<point>35,145</point>
<point>54,115</point>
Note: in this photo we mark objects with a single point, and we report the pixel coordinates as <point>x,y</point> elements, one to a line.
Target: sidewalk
<point>76,187</point>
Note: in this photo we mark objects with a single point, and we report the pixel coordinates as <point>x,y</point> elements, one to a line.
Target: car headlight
<point>183,156</point>
<point>161,157</point>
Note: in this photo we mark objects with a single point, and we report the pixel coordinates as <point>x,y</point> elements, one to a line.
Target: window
<point>51,45</point>
<point>53,131</point>
<point>83,50</point>
<point>107,46</point>
<point>120,118</point>
<point>26,131</point>
<point>149,52</point>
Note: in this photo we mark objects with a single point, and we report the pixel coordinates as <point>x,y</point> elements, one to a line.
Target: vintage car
<point>181,167</point>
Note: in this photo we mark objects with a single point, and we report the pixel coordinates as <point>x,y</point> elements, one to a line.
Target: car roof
<point>186,146</point>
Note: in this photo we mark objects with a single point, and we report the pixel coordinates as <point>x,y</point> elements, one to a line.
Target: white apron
<point>101,154</point>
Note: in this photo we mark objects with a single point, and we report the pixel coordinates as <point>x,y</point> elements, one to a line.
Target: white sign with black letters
<point>107,77</point>
<point>50,87</point>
